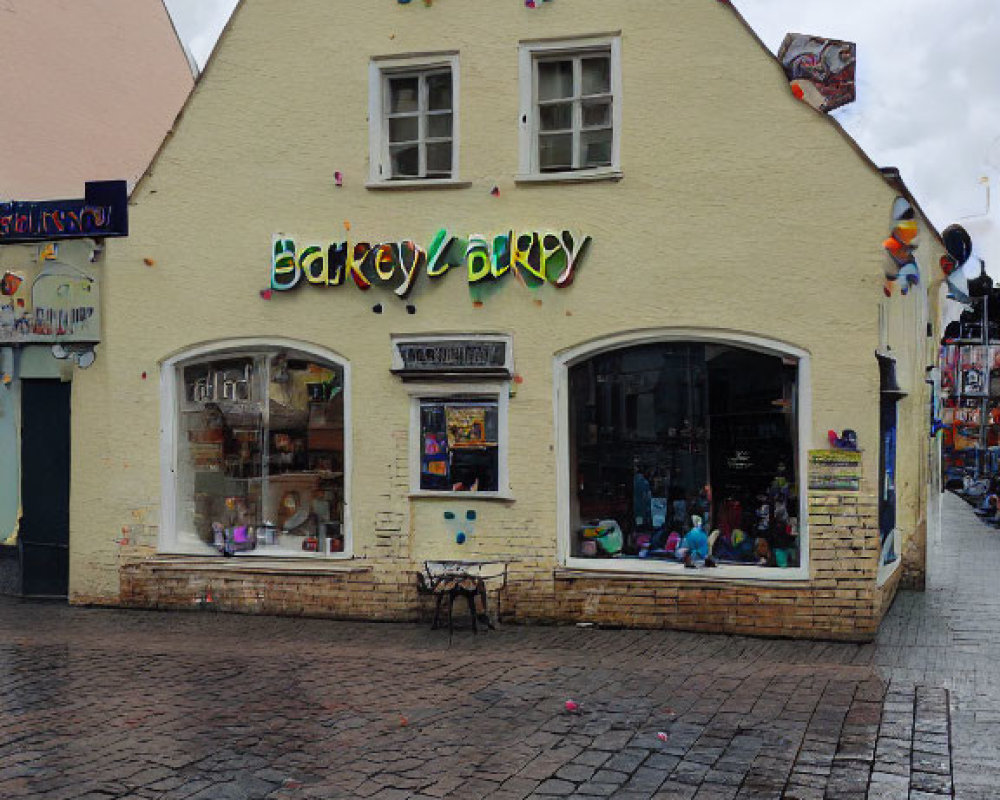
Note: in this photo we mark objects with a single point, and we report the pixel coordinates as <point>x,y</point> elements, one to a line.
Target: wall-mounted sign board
<point>50,293</point>
<point>835,470</point>
<point>103,211</point>
<point>434,357</point>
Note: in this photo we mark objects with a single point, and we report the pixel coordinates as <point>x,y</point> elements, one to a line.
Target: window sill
<point>388,186</point>
<point>258,564</point>
<point>629,569</point>
<point>491,496</point>
<point>572,177</point>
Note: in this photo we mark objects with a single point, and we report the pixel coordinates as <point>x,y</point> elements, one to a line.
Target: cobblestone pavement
<point>100,704</point>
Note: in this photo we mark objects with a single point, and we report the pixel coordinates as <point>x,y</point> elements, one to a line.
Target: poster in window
<point>466,426</point>
<point>973,372</point>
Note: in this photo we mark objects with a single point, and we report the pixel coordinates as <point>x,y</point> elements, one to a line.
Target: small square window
<point>459,445</point>
<point>571,107</point>
<point>413,113</point>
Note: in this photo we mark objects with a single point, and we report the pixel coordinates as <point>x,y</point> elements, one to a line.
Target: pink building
<point>91,88</point>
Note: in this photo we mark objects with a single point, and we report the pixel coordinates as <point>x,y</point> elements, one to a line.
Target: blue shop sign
<point>103,211</point>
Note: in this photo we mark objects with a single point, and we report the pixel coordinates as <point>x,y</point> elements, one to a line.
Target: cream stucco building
<point>413,283</point>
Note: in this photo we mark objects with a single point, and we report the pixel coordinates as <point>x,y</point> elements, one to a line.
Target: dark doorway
<point>44,531</point>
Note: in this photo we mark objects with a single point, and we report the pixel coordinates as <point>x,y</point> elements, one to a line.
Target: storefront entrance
<point>670,436</point>
<point>45,464</point>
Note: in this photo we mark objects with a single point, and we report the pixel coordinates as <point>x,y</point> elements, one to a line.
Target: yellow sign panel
<point>835,470</point>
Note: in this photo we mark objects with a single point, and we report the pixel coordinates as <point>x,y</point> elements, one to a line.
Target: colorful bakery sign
<point>533,258</point>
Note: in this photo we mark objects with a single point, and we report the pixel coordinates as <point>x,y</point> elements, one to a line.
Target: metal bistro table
<point>468,579</point>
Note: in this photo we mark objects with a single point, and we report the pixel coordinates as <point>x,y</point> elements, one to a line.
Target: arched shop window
<point>663,432</point>
<point>257,459</point>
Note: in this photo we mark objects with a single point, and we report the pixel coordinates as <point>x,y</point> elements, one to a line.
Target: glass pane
<point>556,117</point>
<point>243,485</point>
<point>555,79</point>
<point>439,126</point>
<point>596,75</point>
<point>405,161</point>
<point>644,465</point>
<point>596,148</point>
<point>435,461</point>
<point>439,92</point>
<point>404,94</point>
<point>459,450</point>
<point>439,158</point>
<point>304,489</point>
<point>597,113</point>
<point>555,151</point>
<point>404,129</point>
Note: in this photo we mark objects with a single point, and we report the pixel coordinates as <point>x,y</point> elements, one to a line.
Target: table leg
<point>437,610</point>
<point>471,598</point>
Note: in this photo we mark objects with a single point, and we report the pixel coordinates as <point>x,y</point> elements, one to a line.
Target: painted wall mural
<point>53,298</point>
<point>534,258</point>
<point>820,71</point>
<point>901,266</point>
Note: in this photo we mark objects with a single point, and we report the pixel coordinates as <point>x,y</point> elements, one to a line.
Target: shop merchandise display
<point>672,441</point>
<point>260,455</point>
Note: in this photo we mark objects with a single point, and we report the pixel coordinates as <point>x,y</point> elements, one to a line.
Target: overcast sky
<point>928,95</point>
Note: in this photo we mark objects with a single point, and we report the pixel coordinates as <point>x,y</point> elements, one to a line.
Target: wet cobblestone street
<point>105,704</point>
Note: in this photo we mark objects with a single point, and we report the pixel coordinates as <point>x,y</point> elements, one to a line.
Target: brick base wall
<point>840,600</point>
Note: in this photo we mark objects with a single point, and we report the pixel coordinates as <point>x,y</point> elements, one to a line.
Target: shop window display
<point>260,455</point>
<point>672,442</point>
<point>459,445</point>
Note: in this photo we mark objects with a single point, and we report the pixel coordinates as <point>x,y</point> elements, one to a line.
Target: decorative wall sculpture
<point>533,257</point>
<point>902,264</point>
<point>821,71</point>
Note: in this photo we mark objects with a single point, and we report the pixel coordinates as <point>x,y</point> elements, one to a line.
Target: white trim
<point>168,539</point>
<point>528,52</point>
<point>566,358</point>
<point>487,390</point>
<point>886,571</point>
<point>429,183</point>
<point>379,165</point>
<point>583,176</point>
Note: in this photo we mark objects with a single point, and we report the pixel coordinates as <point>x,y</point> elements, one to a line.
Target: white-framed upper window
<point>413,114</point>
<point>570,107</point>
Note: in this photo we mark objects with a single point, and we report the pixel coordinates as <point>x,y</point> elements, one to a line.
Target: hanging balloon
<point>958,243</point>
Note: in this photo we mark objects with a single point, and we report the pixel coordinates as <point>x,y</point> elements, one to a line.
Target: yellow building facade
<point>530,288</point>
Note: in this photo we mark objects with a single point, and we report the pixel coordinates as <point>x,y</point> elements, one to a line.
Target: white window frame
<point>529,54</point>
<point>563,361</point>
<point>494,391</point>
<point>380,70</point>
<point>171,396</point>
